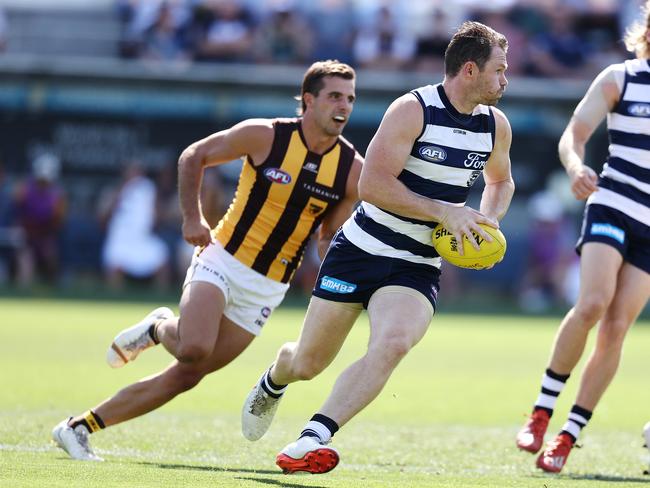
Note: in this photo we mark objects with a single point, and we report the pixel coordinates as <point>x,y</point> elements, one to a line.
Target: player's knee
<point>192,353</point>
<point>613,332</point>
<point>393,349</point>
<point>590,309</point>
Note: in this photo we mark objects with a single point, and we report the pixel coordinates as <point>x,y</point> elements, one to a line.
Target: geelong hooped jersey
<point>624,183</point>
<point>279,204</point>
<point>444,163</point>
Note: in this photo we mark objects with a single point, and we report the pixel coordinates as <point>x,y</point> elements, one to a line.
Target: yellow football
<point>489,253</point>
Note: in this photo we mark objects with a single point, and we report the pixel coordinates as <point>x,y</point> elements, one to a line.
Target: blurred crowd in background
<point>552,37</point>
<point>567,38</point>
<point>133,235</point>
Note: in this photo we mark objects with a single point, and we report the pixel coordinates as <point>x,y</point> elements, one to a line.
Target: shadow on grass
<point>264,481</point>
<point>613,479</point>
<point>191,467</point>
<point>268,481</point>
<point>598,477</point>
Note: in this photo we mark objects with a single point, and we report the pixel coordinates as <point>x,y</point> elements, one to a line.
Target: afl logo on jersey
<point>277,176</point>
<point>639,109</point>
<point>432,153</point>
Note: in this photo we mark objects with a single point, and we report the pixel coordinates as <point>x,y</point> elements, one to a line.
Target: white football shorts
<point>250,296</point>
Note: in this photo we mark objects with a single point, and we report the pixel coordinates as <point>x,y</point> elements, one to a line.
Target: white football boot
<point>258,410</point>
<point>308,455</point>
<point>132,341</point>
<point>74,441</point>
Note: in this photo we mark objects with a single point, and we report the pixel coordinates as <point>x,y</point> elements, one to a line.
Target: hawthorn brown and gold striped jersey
<point>279,204</point>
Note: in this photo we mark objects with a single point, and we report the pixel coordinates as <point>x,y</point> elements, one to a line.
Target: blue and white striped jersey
<point>445,161</point>
<point>624,182</point>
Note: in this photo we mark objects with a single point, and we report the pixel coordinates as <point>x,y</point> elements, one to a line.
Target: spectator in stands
<point>164,40</point>
<point>3,30</point>
<point>138,17</point>
<point>284,37</point>
<point>559,52</point>
<point>382,44</point>
<point>334,24</point>
<point>500,21</point>
<point>168,217</point>
<point>226,31</point>
<point>597,22</point>
<point>550,255</point>
<point>40,205</point>
<point>131,249</point>
<point>11,236</point>
<point>431,46</point>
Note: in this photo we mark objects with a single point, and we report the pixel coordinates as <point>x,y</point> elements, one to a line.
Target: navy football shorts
<point>629,236</point>
<point>349,274</point>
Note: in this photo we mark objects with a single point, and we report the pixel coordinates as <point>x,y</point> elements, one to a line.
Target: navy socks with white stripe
<point>321,427</point>
<point>552,385</point>
<point>578,419</point>
<point>273,390</point>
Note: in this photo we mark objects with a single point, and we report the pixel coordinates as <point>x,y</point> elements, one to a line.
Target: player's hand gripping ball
<point>489,253</point>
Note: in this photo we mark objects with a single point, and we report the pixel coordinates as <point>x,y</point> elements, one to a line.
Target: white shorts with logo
<point>250,296</point>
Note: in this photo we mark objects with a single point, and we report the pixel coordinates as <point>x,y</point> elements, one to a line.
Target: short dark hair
<point>472,41</point>
<point>313,79</point>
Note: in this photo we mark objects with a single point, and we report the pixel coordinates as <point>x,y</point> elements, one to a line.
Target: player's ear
<point>308,98</point>
<point>469,69</point>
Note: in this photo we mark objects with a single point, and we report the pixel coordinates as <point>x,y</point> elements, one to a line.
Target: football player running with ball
<point>299,174</point>
<point>614,245</point>
<point>431,146</point>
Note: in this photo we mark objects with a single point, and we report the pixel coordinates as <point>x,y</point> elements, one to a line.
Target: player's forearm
<point>190,173</point>
<point>388,193</point>
<point>496,199</point>
<point>571,151</point>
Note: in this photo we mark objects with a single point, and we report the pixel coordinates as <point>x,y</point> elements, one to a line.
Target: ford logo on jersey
<point>432,153</point>
<point>277,176</point>
<point>336,286</point>
<point>639,109</point>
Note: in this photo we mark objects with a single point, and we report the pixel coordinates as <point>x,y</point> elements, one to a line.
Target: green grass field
<point>447,418</point>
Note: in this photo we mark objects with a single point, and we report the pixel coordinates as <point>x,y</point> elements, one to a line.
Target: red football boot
<point>307,454</point>
<point>557,451</point>
<point>531,436</point>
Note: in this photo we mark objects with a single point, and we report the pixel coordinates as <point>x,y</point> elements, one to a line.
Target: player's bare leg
<point>398,321</point>
<point>191,338</point>
<point>156,390</point>
<point>325,328</point>
<point>399,318</point>
<point>631,296</point>
<point>228,341</point>
<point>599,263</point>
